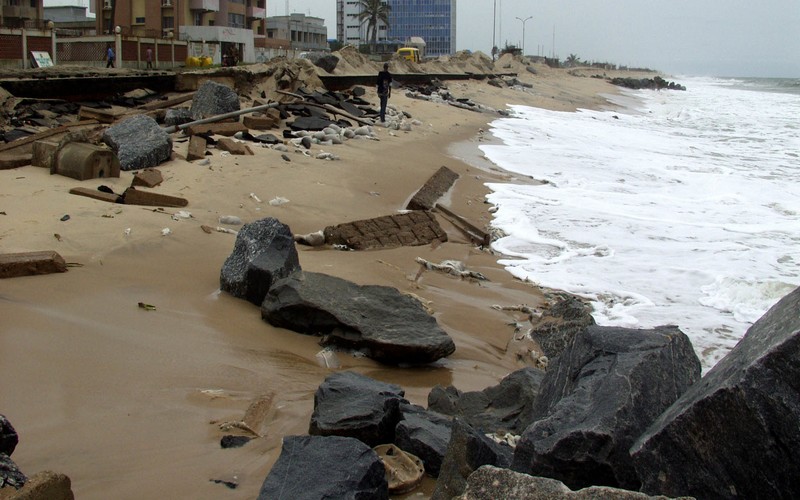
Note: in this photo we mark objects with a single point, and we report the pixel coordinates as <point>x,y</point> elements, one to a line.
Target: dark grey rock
<point>267,139</point>
<point>506,407</point>
<point>468,449</point>
<point>212,99</point>
<point>263,253</point>
<point>425,434</point>
<point>735,433</point>
<point>392,327</point>
<point>177,116</point>
<point>317,467</point>
<point>310,123</point>
<point>138,142</point>
<point>353,405</point>
<point>327,62</point>
<point>554,330</point>
<point>358,91</point>
<point>606,388</point>
<point>10,475</point>
<point>231,441</point>
<point>8,436</point>
<point>492,483</point>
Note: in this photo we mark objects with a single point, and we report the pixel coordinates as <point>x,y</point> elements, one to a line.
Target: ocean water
<point>684,209</point>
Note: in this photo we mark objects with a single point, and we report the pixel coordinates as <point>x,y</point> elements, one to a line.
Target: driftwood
<point>254,416</point>
<point>45,134</point>
<point>476,234</point>
<point>454,267</point>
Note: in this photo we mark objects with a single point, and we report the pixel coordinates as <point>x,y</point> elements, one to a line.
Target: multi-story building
<point>303,32</point>
<point>21,13</point>
<point>161,17</point>
<point>432,20</point>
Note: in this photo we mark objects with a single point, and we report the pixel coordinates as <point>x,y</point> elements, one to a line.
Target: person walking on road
<point>384,84</point>
<point>110,57</point>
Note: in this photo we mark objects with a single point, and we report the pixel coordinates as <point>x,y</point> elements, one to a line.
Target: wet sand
<point>127,402</point>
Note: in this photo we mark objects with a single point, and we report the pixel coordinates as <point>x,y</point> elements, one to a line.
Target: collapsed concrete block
<point>81,161</point>
<point>43,154</point>
<point>197,148</point>
<point>31,263</point>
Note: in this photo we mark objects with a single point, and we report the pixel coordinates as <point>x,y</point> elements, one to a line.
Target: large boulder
<point>559,323</point>
<point>425,434</point>
<point>8,436</point>
<point>606,388</point>
<point>314,467</point>
<point>505,407</point>
<point>491,483</point>
<point>212,99</point>
<point>327,62</point>
<point>734,434</point>
<point>138,142</point>
<point>390,326</point>
<point>354,405</point>
<point>263,253</point>
<point>10,475</point>
<point>468,449</point>
<point>45,485</point>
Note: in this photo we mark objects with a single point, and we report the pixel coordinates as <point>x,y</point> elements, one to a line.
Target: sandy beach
<point>127,401</point>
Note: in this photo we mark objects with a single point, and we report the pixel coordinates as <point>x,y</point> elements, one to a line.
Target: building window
<point>235,20</point>
<point>167,23</point>
<point>139,20</point>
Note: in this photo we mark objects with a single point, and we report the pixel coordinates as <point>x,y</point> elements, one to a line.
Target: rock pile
<point>618,408</point>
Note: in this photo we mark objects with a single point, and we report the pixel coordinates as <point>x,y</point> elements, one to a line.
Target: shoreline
<point>126,400</point>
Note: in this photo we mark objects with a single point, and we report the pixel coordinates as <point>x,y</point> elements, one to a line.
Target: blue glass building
<point>432,20</point>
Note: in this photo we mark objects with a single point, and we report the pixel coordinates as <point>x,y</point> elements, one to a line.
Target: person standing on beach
<point>384,84</point>
<point>110,57</point>
<point>149,57</point>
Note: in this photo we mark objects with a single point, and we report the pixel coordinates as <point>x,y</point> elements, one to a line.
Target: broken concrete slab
<point>9,161</point>
<point>138,142</point>
<point>81,161</point>
<point>44,153</point>
<point>149,177</point>
<point>433,189</point>
<point>133,196</point>
<point>197,148</point>
<point>101,115</point>
<point>260,122</point>
<point>234,147</point>
<point>13,265</point>
<point>410,229</point>
<point>226,128</point>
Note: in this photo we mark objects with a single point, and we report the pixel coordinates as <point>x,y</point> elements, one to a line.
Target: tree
<point>373,12</point>
<point>572,61</point>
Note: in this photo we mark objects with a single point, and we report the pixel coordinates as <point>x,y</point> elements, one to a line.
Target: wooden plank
<point>478,235</point>
<point>95,194</point>
<point>45,134</point>
<point>31,263</point>
<point>167,103</point>
<point>101,115</point>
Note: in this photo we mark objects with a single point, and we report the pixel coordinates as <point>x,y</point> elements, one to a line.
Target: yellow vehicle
<point>409,54</point>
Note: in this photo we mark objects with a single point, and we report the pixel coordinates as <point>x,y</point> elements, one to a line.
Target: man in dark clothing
<point>384,88</point>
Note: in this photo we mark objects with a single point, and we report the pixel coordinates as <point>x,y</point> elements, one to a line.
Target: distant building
<point>432,20</point>
<point>303,32</point>
<point>71,20</point>
<point>22,14</point>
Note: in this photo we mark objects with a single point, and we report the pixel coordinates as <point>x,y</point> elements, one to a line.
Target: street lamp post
<point>523,31</point>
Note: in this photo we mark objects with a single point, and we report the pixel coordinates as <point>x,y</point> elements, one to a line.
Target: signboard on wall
<point>41,59</point>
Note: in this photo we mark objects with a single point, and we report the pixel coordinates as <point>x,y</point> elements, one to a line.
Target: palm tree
<point>572,61</point>
<point>373,12</point>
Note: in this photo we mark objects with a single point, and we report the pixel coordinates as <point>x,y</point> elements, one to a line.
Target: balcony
<point>256,12</point>
<point>204,5</point>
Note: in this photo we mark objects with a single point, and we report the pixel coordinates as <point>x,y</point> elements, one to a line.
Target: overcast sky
<point>690,37</point>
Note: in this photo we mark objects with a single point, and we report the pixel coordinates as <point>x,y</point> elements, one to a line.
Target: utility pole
<point>494,30</point>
